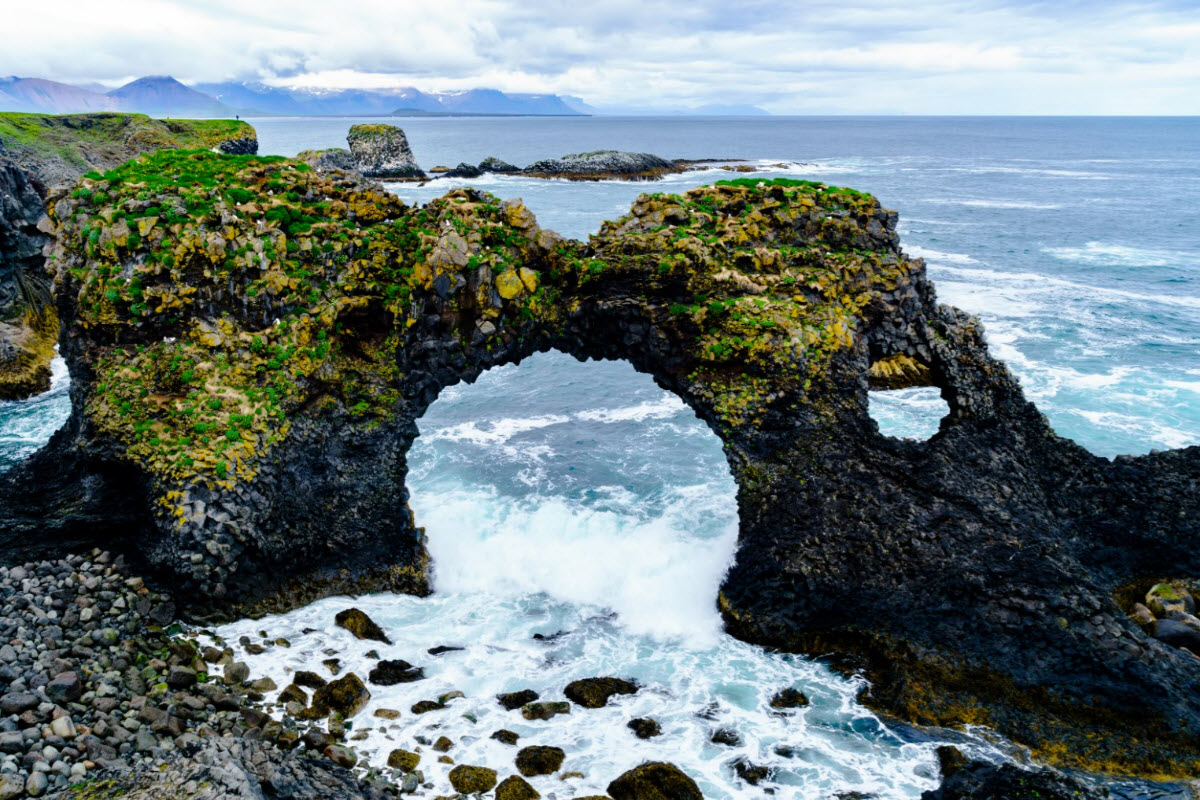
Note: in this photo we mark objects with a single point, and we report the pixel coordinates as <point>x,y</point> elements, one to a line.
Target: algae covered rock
<point>539,760</point>
<point>1163,598</point>
<point>362,626</point>
<point>654,780</point>
<point>345,696</point>
<point>514,787</point>
<point>644,727</point>
<point>467,779</point>
<point>545,709</point>
<point>594,692</point>
<point>382,151</point>
<point>403,760</point>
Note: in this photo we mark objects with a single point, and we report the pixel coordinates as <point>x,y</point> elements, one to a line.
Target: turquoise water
<point>562,496</point>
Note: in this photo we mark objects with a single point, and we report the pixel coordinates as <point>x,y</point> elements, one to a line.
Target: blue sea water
<point>573,497</point>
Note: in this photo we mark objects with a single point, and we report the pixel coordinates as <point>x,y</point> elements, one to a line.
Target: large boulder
<point>594,692</point>
<point>539,760</point>
<point>346,696</point>
<point>467,779</point>
<point>389,672</point>
<point>359,624</point>
<point>654,780</point>
<point>382,151</point>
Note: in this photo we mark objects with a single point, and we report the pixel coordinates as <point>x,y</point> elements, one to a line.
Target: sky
<point>786,56</point>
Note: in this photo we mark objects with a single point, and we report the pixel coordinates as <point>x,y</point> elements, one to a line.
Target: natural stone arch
<point>253,465</point>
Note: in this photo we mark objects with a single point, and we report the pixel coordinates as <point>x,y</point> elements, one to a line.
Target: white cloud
<point>870,56</point>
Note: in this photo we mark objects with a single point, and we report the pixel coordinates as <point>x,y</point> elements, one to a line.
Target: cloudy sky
<point>788,56</point>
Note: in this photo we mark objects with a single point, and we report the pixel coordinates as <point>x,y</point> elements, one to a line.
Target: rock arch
<point>251,343</point>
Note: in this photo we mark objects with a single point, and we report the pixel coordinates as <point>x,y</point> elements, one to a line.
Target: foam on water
<point>27,425</point>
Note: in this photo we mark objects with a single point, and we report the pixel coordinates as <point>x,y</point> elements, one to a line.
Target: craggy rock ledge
<point>248,370</point>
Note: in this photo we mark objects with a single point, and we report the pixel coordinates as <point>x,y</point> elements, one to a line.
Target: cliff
<point>252,343</point>
<point>38,151</point>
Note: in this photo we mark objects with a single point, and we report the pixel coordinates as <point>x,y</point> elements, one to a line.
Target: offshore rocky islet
<point>633,253</point>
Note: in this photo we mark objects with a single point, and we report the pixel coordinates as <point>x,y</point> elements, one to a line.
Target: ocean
<point>579,502</point>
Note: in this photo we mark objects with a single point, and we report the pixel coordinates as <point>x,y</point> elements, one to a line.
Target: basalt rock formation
<point>39,150</point>
<point>382,151</point>
<point>601,165</point>
<point>252,343</point>
<point>28,326</point>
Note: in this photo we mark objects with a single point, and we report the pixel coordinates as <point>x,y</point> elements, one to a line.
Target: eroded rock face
<point>242,413</point>
<point>382,151</point>
<point>28,324</point>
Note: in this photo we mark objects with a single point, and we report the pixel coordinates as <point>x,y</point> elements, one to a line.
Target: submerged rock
<point>594,692</point>
<point>789,698</point>
<point>654,780</point>
<point>382,151</point>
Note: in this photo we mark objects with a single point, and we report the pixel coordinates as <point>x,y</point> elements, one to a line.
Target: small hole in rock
<point>913,413</point>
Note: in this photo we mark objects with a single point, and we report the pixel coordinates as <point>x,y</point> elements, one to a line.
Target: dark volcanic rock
<point>493,164</point>
<point>645,728</point>
<point>970,576</point>
<point>514,700</point>
<point>26,338</point>
<point>789,698</point>
<point>654,780</point>
<point>382,151</point>
<point>602,164</point>
<point>594,692</point>
<point>333,158</point>
<point>389,673</point>
<point>464,170</point>
<point>980,780</point>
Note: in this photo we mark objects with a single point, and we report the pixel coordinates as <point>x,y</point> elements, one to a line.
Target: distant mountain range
<point>163,96</point>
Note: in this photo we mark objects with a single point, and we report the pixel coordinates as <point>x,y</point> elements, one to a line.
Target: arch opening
<point>581,481</point>
<point>915,412</point>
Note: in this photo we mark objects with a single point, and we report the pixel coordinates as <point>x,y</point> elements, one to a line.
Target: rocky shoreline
<point>103,694</point>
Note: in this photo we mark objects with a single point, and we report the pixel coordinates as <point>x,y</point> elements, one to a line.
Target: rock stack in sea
<point>382,151</point>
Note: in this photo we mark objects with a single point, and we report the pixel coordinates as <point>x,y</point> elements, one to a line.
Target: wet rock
<point>425,706</point>
<point>293,694</point>
<point>503,736</point>
<point>347,696</point>
<point>387,713</point>
<point>237,673</point>
<point>978,780</point>
<point>468,779</point>
<point>645,728</point>
<point>654,780</point>
<point>544,709</point>
<point>726,736</point>
<point>389,673</point>
<point>514,700</point>
<point>789,698</point>
<point>594,692</point>
<point>443,649</point>
<point>308,679</point>
<point>464,170</point>
<point>443,745</point>
<point>362,626</point>
<point>750,772</point>
<point>539,760</point>
<point>403,760</point>
<point>514,787</point>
